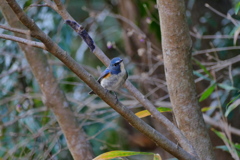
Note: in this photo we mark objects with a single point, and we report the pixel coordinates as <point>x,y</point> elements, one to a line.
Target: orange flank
<point>107,75</point>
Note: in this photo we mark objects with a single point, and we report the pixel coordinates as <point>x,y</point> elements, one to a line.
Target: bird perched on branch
<point>113,76</point>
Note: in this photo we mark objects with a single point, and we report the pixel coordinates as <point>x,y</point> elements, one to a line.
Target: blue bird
<point>113,76</point>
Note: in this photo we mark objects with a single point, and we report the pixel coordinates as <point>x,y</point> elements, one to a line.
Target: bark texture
<point>53,96</point>
<point>132,44</point>
<point>176,44</point>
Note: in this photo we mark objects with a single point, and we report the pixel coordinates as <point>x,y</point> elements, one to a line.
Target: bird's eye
<point>115,64</point>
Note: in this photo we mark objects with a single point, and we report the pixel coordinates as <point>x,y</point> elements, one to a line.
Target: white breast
<point>115,81</point>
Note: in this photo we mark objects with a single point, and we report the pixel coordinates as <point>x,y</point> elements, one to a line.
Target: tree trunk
<point>53,96</point>
<point>176,44</point>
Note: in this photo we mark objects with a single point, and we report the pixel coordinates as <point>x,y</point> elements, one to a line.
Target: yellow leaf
<point>116,154</point>
<point>146,113</point>
<point>205,109</point>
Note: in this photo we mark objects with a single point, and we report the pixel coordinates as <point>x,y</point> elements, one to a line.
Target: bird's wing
<point>106,73</point>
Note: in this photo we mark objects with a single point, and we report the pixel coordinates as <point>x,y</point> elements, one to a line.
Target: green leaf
<point>205,109</point>
<point>146,113</point>
<point>207,92</point>
<point>116,154</point>
<point>227,87</point>
<point>236,34</point>
<point>237,146</point>
<point>223,147</point>
<point>237,8</point>
<point>232,107</point>
<point>202,67</point>
<point>201,75</point>
<point>226,140</point>
<point>220,135</point>
<point>234,99</point>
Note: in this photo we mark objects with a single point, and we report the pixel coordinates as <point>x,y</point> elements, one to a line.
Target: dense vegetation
<point>29,130</point>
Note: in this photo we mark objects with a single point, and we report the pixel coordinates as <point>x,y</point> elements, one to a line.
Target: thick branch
<point>176,45</point>
<point>23,41</point>
<point>89,80</point>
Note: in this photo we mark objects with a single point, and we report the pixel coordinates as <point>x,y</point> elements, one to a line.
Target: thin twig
<point>23,41</point>
<point>26,114</point>
<point>16,30</point>
<point>216,124</point>
<point>39,5</point>
<point>197,35</point>
<point>7,73</point>
<point>215,50</point>
<point>222,64</point>
<point>222,15</point>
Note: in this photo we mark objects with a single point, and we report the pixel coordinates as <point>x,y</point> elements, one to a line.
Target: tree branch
<point>229,17</point>
<point>23,41</point>
<point>89,80</point>
<point>216,124</point>
<point>16,30</point>
<point>216,50</point>
<point>176,43</point>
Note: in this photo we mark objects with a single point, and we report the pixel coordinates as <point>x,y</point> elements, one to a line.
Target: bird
<point>114,76</point>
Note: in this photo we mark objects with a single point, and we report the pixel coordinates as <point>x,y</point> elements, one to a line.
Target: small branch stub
<point>82,32</point>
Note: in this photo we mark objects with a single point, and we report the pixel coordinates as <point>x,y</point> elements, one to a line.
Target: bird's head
<point>116,65</point>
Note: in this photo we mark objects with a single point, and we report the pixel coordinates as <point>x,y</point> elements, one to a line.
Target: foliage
<point>146,113</point>
<point>117,154</point>
<point>229,146</point>
<point>29,130</point>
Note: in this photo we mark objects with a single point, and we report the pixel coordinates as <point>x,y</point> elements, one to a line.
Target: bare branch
<point>16,30</point>
<point>215,50</point>
<point>222,64</point>
<point>27,140</point>
<point>28,113</point>
<point>12,71</point>
<point>40,5</point>
<point>199,36</point>
<point>59,8</point>
<point>23,41</point>
<point>229,17</point>
<point>216,124</point>
<point>83,33</point>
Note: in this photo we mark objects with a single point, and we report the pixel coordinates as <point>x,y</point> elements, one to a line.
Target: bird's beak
<point>120,61</point>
